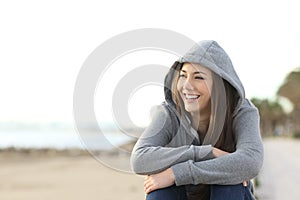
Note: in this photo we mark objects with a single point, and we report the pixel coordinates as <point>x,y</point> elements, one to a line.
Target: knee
<point>156,194</point>
<point>232,192</point>
<point>169,193</point>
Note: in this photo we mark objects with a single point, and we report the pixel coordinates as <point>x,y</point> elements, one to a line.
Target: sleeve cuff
<point>182,173</point>
<point>203,153</point>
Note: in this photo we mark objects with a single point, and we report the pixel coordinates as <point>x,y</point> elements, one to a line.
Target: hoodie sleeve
<point>242,165</point>
<point>151,153</point>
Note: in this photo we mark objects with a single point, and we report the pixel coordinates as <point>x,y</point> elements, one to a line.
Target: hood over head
<point>211,55</point>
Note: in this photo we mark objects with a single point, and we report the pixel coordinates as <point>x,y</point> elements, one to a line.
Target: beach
<point>280,178</point>
<point>75,174</point>
<point>51,175</point>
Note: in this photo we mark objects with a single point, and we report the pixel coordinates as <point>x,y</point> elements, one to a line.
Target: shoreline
<point>127,147</point>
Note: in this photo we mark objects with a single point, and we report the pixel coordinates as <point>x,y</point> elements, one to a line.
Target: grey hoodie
<point>170,141</point>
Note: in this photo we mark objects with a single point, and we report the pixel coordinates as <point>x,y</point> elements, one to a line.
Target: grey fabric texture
<point>170,140</point>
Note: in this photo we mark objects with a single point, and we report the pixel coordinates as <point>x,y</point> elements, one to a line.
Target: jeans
<point>169,193</point>
<point>217,192</point>
<point>232,192</point>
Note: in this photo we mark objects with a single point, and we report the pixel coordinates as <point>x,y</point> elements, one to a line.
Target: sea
<point>60,138</point>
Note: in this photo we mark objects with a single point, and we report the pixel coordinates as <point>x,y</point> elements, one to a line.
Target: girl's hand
<point>218,152</point>
<point>157,181</point>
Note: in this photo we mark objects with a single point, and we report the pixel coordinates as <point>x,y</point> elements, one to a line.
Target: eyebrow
<point>197,72</point>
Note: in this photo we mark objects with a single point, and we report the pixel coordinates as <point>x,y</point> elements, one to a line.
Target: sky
<point>43,45</point>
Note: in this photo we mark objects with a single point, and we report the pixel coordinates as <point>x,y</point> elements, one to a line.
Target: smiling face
<point>194,87</point>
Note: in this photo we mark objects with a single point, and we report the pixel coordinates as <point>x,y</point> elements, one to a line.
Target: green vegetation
<point>297,135</point>
<point>274,120</point>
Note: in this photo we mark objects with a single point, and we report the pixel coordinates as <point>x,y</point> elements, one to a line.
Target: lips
<point>191,97</point>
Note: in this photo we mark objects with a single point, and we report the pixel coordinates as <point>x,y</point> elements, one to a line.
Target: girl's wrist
<point>171,173</point>
<point>214,152</point>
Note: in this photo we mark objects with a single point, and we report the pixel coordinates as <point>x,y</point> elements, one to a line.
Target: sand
<point>48,175</point>
<point>76,175</point>
<point>280,178</point>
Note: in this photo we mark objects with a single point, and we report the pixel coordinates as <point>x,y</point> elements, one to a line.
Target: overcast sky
<point>43,45</point>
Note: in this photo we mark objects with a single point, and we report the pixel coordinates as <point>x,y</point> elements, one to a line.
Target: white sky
<point>43,45</point>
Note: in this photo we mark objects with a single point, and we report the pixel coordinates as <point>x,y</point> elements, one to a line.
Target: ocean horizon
<point>61,139</point>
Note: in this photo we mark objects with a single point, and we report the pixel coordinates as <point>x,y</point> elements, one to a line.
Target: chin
<point>191,109</point>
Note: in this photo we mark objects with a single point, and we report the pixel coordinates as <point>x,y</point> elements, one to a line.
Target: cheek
<point>208,91</point>
<point>204,88</point>
<point>207,87</point>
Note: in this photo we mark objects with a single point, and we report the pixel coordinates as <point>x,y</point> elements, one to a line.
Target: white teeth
<point>191,96</point>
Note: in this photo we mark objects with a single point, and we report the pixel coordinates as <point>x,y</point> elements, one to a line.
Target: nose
<point>188,85</point>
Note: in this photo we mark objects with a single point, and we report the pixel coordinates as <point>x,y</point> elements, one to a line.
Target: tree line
<point>274,120</point>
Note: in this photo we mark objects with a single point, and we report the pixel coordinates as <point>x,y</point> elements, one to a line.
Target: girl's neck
<point>200,122</point>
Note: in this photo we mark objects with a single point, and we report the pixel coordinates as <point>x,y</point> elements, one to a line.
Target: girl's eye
<point>199,78</point>
<point>181,75</point>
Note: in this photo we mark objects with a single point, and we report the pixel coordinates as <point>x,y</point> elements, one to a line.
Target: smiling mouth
<point>191,97</point>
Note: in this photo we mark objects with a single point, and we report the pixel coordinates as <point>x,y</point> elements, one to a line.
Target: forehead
<point>195,67</point>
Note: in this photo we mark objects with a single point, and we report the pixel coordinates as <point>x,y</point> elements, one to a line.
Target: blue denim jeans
<point>217,192</point>
<point>169,193</point>
<point>232,192</point>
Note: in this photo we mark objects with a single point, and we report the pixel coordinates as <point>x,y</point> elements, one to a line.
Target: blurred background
<point>43,46</point>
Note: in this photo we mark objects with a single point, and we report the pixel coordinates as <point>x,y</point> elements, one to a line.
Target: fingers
<point>245,183</point>
<point>149,184</point>
<point>149,187</point>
